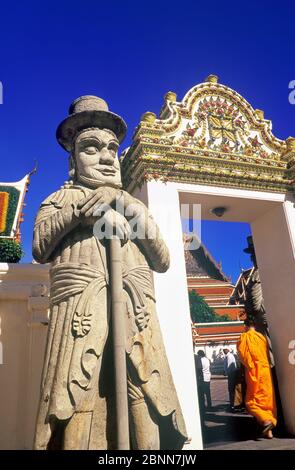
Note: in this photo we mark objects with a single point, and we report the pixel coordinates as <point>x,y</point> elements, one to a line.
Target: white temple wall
<point>173,304</point>
<point>23,306</point>
<point>274,239</point>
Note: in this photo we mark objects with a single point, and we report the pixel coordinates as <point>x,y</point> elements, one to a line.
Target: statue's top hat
<point>250,248</point>
<point>88,112</point>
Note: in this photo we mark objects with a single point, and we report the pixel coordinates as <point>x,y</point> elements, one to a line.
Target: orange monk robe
<point>260,396</point>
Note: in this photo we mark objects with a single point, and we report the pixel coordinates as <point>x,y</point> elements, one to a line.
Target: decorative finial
<point>289,154</point>
<point>148,117</point>
<point>34,170</point>
<point>290,142</point>
<point>212,79</point>
<point>259,113</point>
<point>170,96</point>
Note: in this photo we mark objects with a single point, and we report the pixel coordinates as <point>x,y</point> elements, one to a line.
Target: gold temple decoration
<point>289,157</point>
<point>290,144</point>
<point>212,136</point>
<point>170,96</point>
<point>212,79</point>
<point>259,113</point>
<point>148,117</point>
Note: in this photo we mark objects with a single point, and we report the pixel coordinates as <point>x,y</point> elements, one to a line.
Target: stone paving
<point>224,430</point>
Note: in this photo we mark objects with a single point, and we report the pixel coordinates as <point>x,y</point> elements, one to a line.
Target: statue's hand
<point>100,197</point>
<point>112,223</point>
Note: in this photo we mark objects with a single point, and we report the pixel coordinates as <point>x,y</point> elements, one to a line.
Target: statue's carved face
<point>95,154</point>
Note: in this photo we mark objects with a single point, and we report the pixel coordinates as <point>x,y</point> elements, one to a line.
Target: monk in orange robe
<point>260,396</point>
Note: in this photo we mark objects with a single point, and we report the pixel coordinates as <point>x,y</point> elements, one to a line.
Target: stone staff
<point>118,328</point>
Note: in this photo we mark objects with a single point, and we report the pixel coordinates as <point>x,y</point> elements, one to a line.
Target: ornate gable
<point>212,136</point>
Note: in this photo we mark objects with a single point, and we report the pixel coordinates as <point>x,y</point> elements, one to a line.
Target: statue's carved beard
<point>96,182</point>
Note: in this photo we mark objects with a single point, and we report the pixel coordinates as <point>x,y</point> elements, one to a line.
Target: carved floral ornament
<point>213,136</point>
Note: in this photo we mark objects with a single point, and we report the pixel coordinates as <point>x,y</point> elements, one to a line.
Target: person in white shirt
<point>230,368</point>
<point>205,378</point>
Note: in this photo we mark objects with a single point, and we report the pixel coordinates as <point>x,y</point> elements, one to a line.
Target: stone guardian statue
<point>254,301</point>
<point>76,408</point>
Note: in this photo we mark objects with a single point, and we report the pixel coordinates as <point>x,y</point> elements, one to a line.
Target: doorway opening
<point>216,272</point>
<point>216,289</point>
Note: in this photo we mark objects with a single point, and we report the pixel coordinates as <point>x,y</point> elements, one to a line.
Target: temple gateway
<point>210,149</point>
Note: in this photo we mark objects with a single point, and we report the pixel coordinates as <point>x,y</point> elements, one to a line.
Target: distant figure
<point>230,367</point>
<point>260,396</point>
<point>204,380</point>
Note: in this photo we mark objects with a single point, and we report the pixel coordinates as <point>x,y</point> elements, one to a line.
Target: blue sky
<point>131,53</point>
<point>226,242</point>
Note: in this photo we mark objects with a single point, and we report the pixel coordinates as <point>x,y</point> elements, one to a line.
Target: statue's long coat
<point>78,363</point>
